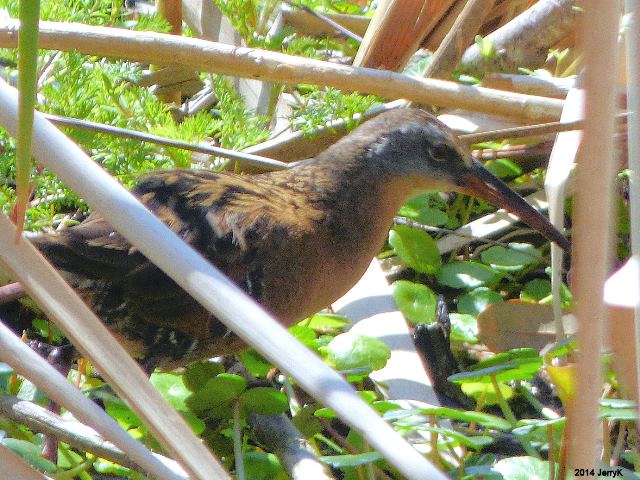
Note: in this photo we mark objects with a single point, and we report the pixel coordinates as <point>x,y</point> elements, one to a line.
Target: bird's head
<point>422,154</point>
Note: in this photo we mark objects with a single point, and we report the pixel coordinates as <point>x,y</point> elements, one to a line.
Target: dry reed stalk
<point>593,225</point>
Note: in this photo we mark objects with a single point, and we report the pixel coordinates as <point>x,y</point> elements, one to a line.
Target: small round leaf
<point>466,275</point>
<point>264,401</point>
<point>514,258</point>
<point>477,300</point>
<point>349,351</point>
<point>416,248</point>
<point>417,302</point>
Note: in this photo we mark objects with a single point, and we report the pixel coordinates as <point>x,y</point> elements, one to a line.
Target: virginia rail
<point>295,240</point>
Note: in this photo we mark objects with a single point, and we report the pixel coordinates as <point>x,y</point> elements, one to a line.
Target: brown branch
<point>460,36</point>
<point>278,67</point>
<point>525,41</point>
<point>11,292</point>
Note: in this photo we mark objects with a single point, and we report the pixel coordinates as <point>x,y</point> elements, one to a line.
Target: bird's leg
<point>432,342</point>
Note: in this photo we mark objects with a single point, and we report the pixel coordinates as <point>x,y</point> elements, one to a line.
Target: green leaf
<point>418,209</point>
<point>384,406</point>
<point>618,409</point>
<point>325,412</point>
<point>108,468</point>
<point>30,453</point>
<point>264,401</point>
<point>255,363</point>
<point>511,259</point>
<point>368,396</point>
<point>326,322</point>
<point>475,442</point>
<point>126,417</point>
<point>464,328</point>
<point>535,290</point>
<point>563,347</point>
<point>198,373</point>
<point>537,429</point>
<point>486,393</point>
<point>516,364</point>
<point>486,47</point>
<point>304,334</point>
<point>348,351</point>
<point>262,466</point>
<point>539,290</point>
<point>477,300</point>
<point>503,168</point>
<point>172,389</point>
<point>416,301</point>
<point>416,248</point>
<point>218,390</point>
<point>345,461</point>
<point>522,468</point>
<point>466,275</point>
<point>417,416</point>
<point>48,330</point>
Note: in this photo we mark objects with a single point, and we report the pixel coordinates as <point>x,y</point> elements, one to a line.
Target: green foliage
<point>417,302</point>
<point>29,452</point>
<point>475,301</point>
<point>91,12</point>
<point>511,259</point>
<point>522,468</point>
<point>426,209</point>
<point>487,49</point>
<point>407,417</point>
<point>467,275</point>
<point>218,390</point>
<point>264,401</point>
<point>325,104</point>
<point>464,328</point>
<point>503,168</point>
<point>349,351</point>
<point>517,364</point>
<point>263,466</point>
<point>416,248</point>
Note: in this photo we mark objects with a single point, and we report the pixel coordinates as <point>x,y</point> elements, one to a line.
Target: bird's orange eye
<point>442,152</point>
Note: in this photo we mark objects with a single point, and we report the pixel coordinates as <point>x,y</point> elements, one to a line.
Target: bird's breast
<point>318,270</point>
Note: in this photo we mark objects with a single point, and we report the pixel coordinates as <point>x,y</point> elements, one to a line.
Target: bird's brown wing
<point>208,210</point>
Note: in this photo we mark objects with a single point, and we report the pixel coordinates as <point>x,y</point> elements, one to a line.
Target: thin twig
<point>74,433</point>
<point>527,131</point>
<point>429,228</point>
<point>243,158</point>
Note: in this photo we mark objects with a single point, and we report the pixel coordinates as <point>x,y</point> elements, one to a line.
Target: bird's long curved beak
<point>479,182</point>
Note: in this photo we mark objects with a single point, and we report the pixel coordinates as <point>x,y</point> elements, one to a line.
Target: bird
<point>295,240</point>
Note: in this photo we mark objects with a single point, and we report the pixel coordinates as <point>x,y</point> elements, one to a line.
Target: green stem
<point>77,470</point>
<point>502,402</point>
<point>27,81</point>
<point>509,415</point>
<point>237,441</point>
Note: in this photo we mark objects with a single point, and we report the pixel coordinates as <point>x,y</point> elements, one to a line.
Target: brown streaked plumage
<point>295,240</point>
